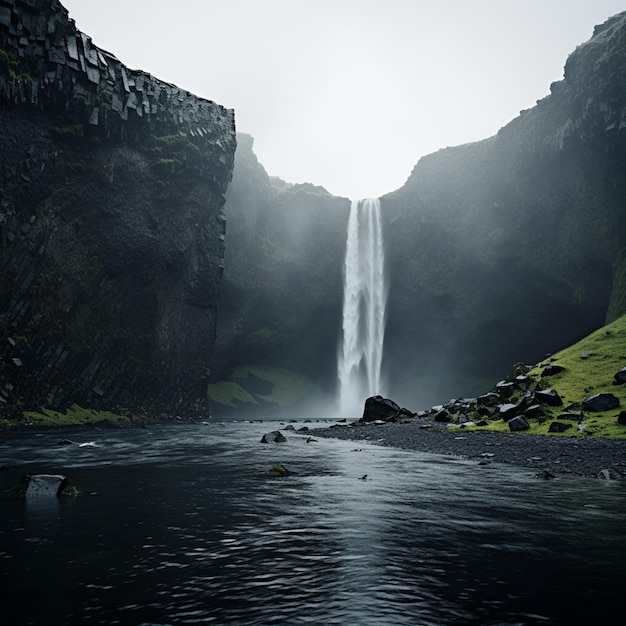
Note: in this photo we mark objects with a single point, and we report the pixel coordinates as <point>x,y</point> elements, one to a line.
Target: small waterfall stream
<point>365,294</point>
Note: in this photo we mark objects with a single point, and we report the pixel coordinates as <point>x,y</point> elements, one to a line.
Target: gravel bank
<point>581,456</point>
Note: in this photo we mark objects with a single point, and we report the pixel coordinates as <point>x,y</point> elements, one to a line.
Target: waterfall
<point>361,354</point>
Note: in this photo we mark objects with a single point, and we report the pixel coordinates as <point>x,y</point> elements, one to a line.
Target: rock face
<point>282,290</point>
<point>505,249</point>
<point>112,231</point>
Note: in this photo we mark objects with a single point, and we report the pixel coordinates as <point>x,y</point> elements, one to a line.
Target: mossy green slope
<point>589,369</point>
<point>251,386</point>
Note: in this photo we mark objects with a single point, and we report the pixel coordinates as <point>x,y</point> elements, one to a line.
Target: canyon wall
<point>281,298</point>
<point>112,232</point>
<point>509,248</point>
<point>497,252</point>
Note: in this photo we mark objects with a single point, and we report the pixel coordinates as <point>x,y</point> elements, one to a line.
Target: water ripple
<point>187,527</point>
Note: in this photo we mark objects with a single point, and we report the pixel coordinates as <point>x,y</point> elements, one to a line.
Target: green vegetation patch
<point>589,369</point>
<point>229,394</point>
<point>273,384</point>
<point>74,416</point>
<point>589,365</point>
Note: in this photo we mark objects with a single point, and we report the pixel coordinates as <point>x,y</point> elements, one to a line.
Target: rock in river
<point>274,437</point>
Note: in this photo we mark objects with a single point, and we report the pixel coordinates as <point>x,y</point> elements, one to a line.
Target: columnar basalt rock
<point>112,188</point>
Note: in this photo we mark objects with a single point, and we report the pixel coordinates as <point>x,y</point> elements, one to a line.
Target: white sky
<point>349,94</point>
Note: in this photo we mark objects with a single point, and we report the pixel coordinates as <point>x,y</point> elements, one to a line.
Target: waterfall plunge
<point>365,295</point>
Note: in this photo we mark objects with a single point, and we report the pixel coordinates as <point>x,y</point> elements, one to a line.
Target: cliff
<point>112,189</point>
<point>281,298</point>
<point>497,252</point>
<point>506,249</point>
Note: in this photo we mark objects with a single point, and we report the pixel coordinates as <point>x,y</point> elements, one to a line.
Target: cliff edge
<point>112,229</point>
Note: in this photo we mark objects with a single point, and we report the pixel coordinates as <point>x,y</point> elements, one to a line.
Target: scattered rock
<point>549,397</point>
<point>280,470</point>
<point>559,427</point>
<point>552,370</point>
<point>601,402</point>
<point>518,424</point>
<point>442,417</point>
<point>507,411</point>
<point>488,400</point>
<point>274,437</point>
<point>620,377</point>
<point>505,389</point>
<point>534,411</point>
<point>621,418</point>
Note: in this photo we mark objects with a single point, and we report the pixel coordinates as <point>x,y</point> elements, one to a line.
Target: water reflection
<point>187,526</point>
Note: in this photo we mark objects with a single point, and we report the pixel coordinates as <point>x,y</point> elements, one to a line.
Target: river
<point>183,524</point>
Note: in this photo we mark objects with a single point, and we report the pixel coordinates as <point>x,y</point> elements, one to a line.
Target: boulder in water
<point>379,408</point>
<point>280,470</point>
<point>274,437</point>
<point>40,485</point>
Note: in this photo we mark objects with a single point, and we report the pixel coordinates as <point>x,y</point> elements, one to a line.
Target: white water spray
<point>365,294</point>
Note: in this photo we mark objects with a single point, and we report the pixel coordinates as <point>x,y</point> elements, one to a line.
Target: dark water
<point>185,526</point>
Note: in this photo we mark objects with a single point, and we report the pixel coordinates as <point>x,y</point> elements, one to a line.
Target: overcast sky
<point>349,94</point>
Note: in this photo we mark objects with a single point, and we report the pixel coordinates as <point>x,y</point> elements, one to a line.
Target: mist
<point>350,94</point>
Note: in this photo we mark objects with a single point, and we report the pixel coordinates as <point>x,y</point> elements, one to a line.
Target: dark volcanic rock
<point>442,416</point>
<point>507,411</point>
<point>112,231</point>
<point>552,370</point>
<point>534,411</point>
<point>549,397</point>
<point>274,437</point>
<point>558,427</point>
<point>601,402</point>
<point>475,238</point>
<point>621,418</point>
<point>518,424</point>
<point>620,377</point>
<point>379,408</point>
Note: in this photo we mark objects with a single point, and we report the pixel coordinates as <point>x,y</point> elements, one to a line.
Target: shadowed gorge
<point>116,258</point>
<point>401,410</point>
<point>497,252</point>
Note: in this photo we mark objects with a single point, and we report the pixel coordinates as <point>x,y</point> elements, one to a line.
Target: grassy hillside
<point>589,369</point>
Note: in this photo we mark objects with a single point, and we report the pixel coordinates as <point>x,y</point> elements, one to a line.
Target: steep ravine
<point>497,252</point>
<point>112,189</point>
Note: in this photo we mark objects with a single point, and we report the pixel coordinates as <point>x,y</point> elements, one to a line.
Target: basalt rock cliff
<point>112,188</point>
<point>511,247</point>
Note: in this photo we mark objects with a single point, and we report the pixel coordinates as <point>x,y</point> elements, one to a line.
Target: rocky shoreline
<point>548,455</point>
